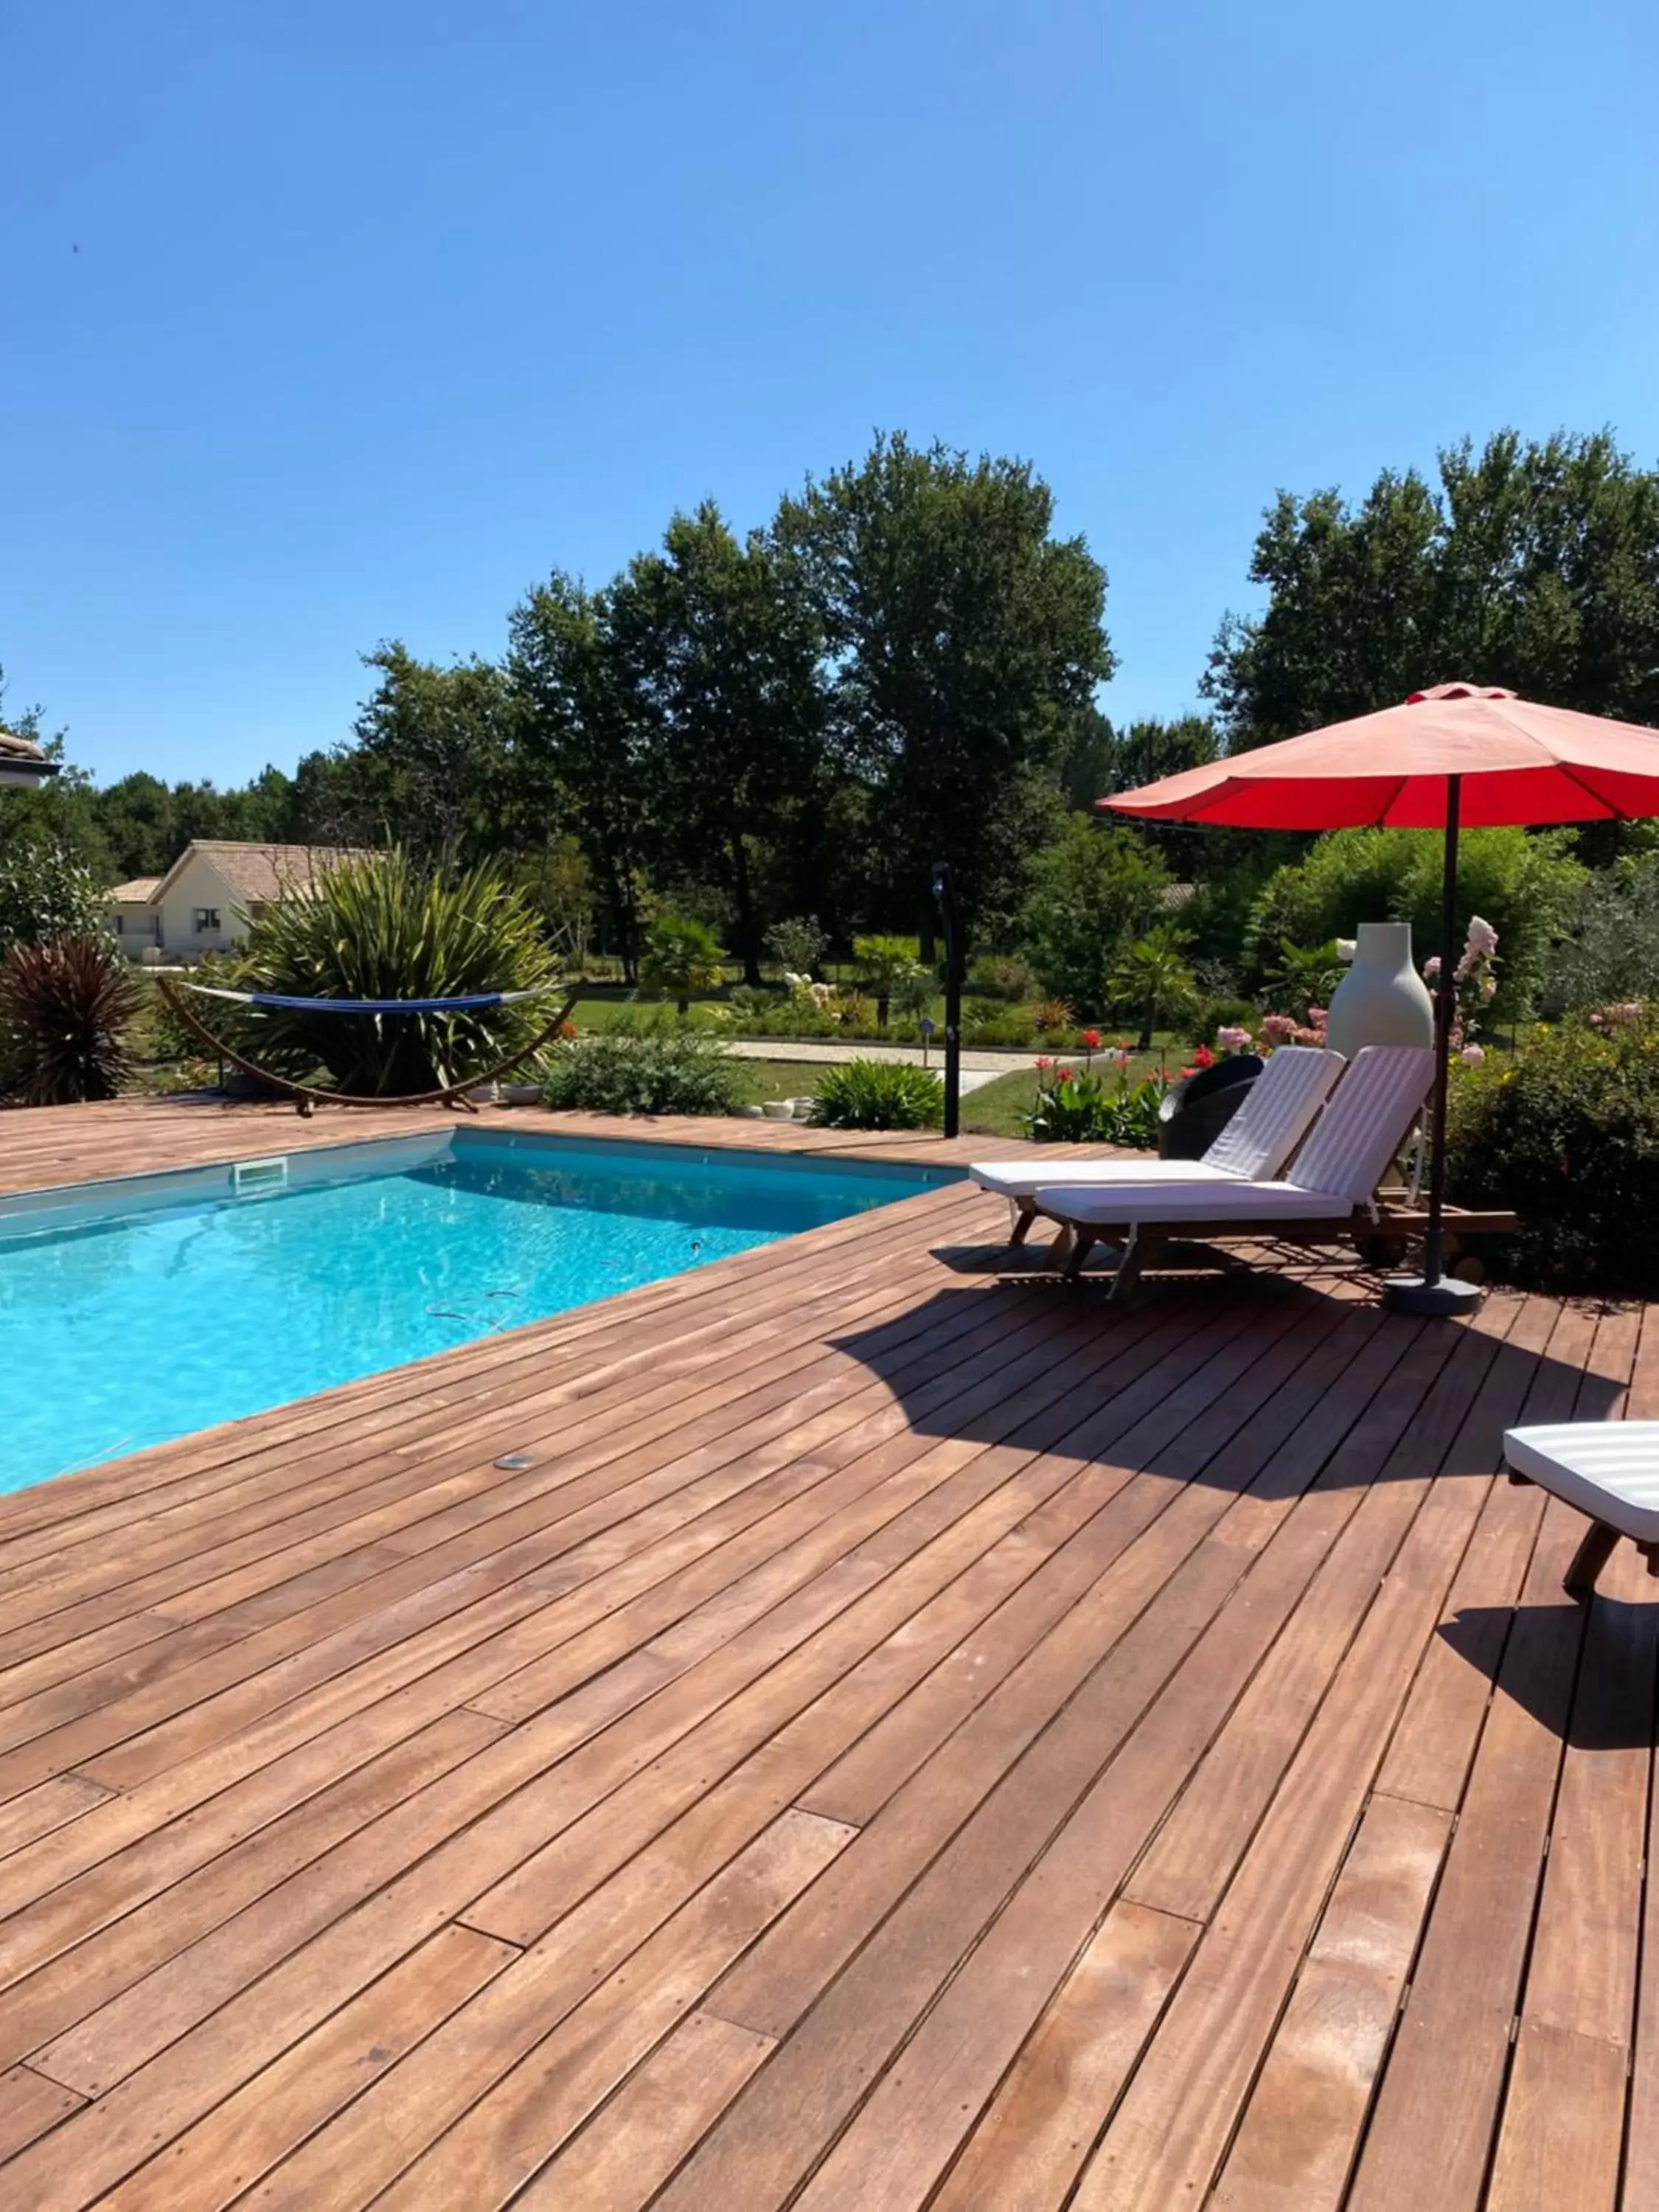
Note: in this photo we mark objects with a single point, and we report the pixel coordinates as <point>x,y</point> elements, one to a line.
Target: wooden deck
<point>909,1737</point>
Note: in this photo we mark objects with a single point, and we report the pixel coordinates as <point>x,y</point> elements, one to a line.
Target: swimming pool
<point>136,1311</point>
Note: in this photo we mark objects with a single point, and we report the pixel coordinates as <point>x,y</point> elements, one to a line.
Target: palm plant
<point>885,965</point>
<point>65,1003</point>
<point>378,926</point>
<point>1152,977</point>
<point>681,958</point>
<point>1306,976</point>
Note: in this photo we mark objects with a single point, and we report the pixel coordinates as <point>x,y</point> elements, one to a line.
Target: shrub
<point>1210,1015</point>
<point>797,943</point>
<point>1566,1135</point>
<point>379,927</point>
<point>44,892</point>
<point>1072,1108</point>
<point>1001,976</point>
<point>659,1070</point>
<point>1054,1014</point>
<point>986,1023</point>
<point>868,1094</point>
<point>682,957</point>
<point>64,1006</point>
<point>1613,951</point>
<point>1524,882</point>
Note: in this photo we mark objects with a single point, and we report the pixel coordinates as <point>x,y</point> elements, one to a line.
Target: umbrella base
<point>1410,1294</point>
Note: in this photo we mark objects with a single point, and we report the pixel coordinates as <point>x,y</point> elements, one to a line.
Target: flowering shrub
<point>1085,1109</point>
<point>1474,985</point>
<point>1566,1135</point>
<point>1233,1037</point>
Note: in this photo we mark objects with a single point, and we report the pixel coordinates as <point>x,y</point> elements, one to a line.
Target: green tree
<point>431,761</point>
<point>1533,565</point>
<point>1152,977</point>
<point>721,648</point>
<point>1092,889</point>
<point>583,756</point>
<point>965,641</point>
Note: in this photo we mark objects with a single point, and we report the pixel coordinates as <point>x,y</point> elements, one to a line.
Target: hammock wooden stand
<point>307,1097</point>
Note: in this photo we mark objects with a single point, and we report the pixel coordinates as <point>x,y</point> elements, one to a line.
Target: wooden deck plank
<point>621,2159</point>
<point>223,2155</point>
<point>1026,2151</point>
<point>913,1736</point>
<point>1302,2122</point>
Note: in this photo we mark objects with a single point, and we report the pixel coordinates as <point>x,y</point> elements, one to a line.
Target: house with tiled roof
<point>210,894</point>
<point>21,761</point>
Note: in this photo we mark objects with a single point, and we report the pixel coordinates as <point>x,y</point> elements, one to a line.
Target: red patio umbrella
<point>1460,755</point>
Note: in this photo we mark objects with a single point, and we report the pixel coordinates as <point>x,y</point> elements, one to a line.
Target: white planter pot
<point>1382,999</point>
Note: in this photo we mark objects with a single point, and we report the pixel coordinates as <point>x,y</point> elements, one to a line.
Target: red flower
<point>567,1028</point>
<point>1063,1075</point>
<point>1204,1057</point>
<point>1089,1040</point>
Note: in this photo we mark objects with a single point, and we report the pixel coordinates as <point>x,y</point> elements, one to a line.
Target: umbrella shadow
<point>1262,1383</point>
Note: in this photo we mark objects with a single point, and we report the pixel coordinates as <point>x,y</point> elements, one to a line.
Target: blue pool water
<point>143,1312</point>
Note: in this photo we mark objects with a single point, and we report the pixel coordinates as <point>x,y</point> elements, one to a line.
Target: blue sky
<point>332,320</point>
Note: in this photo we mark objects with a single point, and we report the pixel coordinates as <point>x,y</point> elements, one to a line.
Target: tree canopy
<point>1531,565</point>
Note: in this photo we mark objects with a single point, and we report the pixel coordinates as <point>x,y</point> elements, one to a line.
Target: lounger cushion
<point>1227,1200</point>
<point>1608,1469</point>
<point>1260,1137</point>
<point>1014,1179</point>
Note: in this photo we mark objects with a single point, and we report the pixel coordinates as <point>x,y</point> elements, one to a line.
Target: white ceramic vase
<point>1382,999</point>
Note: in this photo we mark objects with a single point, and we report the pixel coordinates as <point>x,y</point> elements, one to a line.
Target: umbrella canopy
<point>1518,763</point>
<point>1460,754</point>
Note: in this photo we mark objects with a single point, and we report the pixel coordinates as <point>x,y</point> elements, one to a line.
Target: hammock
<point>372,1006</point>
<point>307,1097</point>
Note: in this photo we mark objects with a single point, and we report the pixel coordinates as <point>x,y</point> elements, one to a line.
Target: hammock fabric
<point>308,1097</point>
<point>372,1006</point>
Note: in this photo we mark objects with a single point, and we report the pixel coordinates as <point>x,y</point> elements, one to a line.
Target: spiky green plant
<point>378,926</point>
<point>65,1005</point>
<point>879,1094</point>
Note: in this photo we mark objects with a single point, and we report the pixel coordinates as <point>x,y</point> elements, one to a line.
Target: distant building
<point>21,761</point>
<point>210,894</point>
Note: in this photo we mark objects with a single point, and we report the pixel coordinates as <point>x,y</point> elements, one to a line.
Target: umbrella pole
<point>1433,1292</point>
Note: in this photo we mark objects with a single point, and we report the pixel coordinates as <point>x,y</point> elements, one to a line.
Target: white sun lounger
<point>1272,1121</point>
<point>1608,1469</point>
<point>1332,1191</point>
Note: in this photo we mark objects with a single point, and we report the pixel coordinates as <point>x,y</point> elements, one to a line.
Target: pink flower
<point>1472,1054</point>
<point>1233,1038</point>
<point>1431,967</point>
<point>1316,1014</point>
<point>1278,1029</point>
<point>1044,1066</point>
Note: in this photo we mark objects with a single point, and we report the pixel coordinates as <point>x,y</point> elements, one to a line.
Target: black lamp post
<point>945,893</point>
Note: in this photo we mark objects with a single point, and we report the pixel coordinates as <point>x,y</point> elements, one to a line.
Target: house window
<point>207,918</point>
<point>121,925</point>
